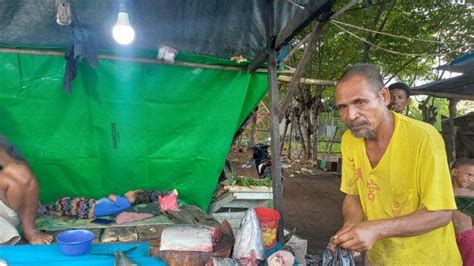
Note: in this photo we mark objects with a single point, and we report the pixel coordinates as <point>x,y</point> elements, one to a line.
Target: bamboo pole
<point>138,60</point>
<point>308,81</point>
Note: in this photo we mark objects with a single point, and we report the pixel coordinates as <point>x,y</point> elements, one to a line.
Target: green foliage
<point>448,27</point>
<point>247,181</point>
<point>442,21</point>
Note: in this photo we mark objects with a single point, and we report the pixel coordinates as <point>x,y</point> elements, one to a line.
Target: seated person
<point>463,176</point>
<point>83,208</point>
<point>19,193</point>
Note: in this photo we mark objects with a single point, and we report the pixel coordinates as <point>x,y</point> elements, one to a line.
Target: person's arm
<point>362,236</point>
<point>113,197</point>
<point>20,192</point>
<point>352,213</point>
<point>352,210</point>
<point>122,203</point>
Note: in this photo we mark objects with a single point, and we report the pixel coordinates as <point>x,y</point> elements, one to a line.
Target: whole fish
<point>120,259</point>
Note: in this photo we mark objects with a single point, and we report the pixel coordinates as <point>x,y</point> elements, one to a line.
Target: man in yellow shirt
<point>396,179</point>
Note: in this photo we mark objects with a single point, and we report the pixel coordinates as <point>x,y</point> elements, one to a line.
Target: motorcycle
<point>262,159</point>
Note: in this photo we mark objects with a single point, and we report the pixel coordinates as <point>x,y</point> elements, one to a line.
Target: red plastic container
<point>268,219</point>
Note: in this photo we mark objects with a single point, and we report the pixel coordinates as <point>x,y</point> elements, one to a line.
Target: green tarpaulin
<point>125,126</point>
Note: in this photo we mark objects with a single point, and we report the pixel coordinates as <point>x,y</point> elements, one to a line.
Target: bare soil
<point>312,200</point>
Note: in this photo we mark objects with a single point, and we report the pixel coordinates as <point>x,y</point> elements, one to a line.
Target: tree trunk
<point>292,125</point>
<point>253,126</point>
<point>303,144</point>
<point>287,123</point>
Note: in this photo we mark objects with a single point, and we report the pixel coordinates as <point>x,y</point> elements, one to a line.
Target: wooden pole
<point>277,180</point>
<point>452,129</point>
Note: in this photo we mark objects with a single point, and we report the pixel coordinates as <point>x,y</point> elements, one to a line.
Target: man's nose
<point>352,113</point>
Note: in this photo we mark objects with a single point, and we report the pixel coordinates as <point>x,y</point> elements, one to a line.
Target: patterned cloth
<point>79,207</point>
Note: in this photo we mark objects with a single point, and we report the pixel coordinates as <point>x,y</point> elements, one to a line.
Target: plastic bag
<point>281,258</point>
<point>216,261</point>
<point>342,257</point>
<point>248,245</point>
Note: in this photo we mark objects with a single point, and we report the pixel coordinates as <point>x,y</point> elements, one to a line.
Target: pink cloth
<point>465,242</point>
<point>127,217</point>
<point>169,202</point>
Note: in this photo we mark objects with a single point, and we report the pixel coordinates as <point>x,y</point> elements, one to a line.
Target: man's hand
<point>357,237</point>
<point>113,197</point>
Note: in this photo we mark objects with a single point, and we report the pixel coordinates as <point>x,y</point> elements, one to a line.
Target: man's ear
<point>454,172</point>
<point>385,95</point>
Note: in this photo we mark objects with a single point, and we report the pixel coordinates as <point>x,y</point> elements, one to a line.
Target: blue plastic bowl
<point>75,242</point>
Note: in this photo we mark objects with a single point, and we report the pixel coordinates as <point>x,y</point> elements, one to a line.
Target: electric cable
<point>386,33</point>
<point>396,52</point>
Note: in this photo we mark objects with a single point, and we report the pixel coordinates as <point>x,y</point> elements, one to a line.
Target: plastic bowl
<point>75,242</point>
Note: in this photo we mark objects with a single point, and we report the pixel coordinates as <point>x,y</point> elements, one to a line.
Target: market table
<point>50,255</point>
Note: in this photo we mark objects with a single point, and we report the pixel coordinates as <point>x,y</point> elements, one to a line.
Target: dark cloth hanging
<point>84,46</point>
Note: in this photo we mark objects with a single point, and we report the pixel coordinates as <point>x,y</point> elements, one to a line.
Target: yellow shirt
<point>412,174</point>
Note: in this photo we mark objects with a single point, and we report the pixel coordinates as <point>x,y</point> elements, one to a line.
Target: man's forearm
<point>352,210</point>
<point>419,222</point>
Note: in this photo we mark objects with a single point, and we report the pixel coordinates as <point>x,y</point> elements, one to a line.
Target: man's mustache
<point>358,123</point>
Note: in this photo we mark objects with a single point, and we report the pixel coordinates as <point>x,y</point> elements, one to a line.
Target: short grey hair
<point>367,71</point>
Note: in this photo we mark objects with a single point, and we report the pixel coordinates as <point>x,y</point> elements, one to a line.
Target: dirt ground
<point>312,201</point>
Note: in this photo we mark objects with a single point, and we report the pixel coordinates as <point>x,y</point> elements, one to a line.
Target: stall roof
<point>460,87</point>
<point>216,28</point>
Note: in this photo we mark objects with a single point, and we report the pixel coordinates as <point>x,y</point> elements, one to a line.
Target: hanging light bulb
<point>123,32</point>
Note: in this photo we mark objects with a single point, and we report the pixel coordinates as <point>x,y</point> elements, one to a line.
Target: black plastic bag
<point>342,257</point>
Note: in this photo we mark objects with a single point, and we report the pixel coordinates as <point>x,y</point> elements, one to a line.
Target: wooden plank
<point>191,214</point>
<point>218,203</point>
<point>149,232</point>
<point>443,95</point>
<point>252,195</point>
<point>202,217</point>
<point>229,215</point>
<point>256,189</point>
<point>122,234</point>
<point>247,204</point>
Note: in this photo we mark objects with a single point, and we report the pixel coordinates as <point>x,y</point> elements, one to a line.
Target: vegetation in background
<point>446,27</point>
